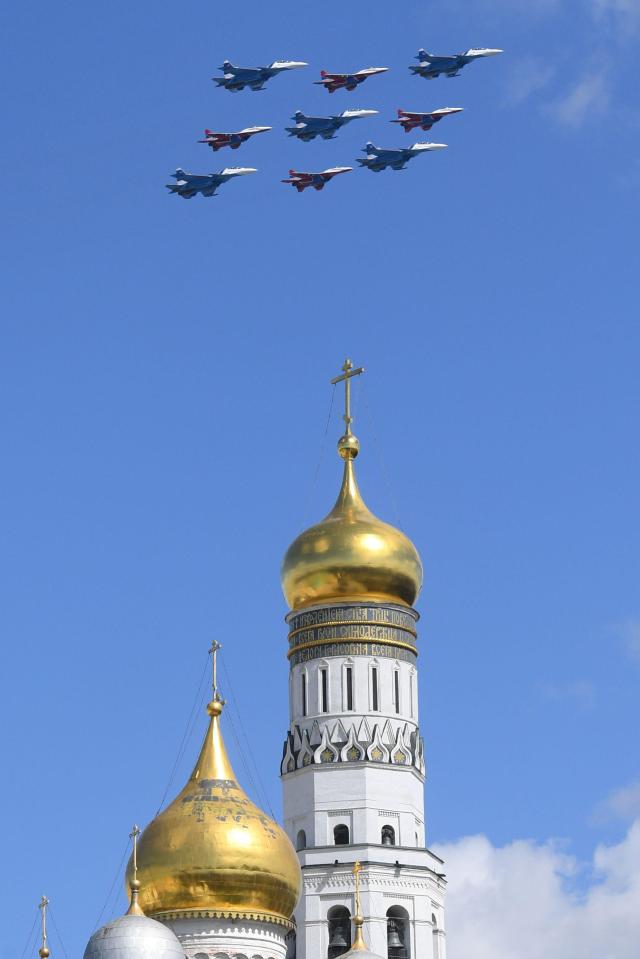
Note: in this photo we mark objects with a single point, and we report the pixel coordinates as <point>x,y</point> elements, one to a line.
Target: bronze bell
<point>338,940</point>
<point>393,936</point>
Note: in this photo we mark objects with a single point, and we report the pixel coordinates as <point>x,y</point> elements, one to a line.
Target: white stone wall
<point>362,666</point>
<point>210,938</point>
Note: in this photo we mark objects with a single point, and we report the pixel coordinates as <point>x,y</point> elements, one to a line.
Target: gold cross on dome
<point>356,872</point>
<point>215,646</point>
<point>44,902</point>
<point>347,372</point>
<point>135,832</point>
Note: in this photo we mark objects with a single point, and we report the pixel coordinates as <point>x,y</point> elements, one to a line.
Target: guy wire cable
<point>262,792</point>
<point>185,737</point>
<point>112,887</point>
<point>55,926</point>
<point>28,946</point>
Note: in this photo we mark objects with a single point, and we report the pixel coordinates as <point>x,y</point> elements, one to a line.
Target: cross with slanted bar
<point>347,372</point>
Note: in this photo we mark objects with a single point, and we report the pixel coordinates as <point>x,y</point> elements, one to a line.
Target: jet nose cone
<point>491,52</point>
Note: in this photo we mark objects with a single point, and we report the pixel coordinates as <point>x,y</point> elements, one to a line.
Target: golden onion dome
<point>351,554</point>
<point>212,850</point>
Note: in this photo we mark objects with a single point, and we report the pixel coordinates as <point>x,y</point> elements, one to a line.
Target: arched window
<point>301,840</point>
<point>339,922</point>
<point>341,835</point>
<point>398,933</point>
<point>388,836</point>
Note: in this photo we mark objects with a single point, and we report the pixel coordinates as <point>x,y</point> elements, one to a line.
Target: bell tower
<point>353,766</point>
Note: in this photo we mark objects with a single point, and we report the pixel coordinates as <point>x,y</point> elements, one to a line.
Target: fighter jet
<point>237,78</point>
<point>378,159</point>
<point>234,140</point>
<point>347,81</point>
<point>308,128</point>
<point>409,121</point>
<point>317,180</point>
<point>189,184</point>
<point>430,66</point>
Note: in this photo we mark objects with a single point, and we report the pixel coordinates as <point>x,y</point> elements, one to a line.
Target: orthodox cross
<point>356,872</point>
<point>135,832</point>
<point>215,646</point>
<point>347,372</point>
<point>44,902</point>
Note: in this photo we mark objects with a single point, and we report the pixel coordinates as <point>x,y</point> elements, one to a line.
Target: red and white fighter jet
<point>409,121</point>
<point>347,81</point>
<point>218,140</point>
<point>317,180</point>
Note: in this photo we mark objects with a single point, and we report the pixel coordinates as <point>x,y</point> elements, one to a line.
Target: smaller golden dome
<point>213,850</point>
<point>351,554</point>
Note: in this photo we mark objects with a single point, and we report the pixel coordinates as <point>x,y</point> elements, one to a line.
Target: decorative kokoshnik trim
<point>223,914</point>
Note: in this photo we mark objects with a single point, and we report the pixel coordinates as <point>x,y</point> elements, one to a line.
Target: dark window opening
<point>304,693</point>
<point>374,688</point>
<point>341,835</point>
<point>349,678</point>
<point>301,840</point>
<point>396,689</point>
<point>324,697</point>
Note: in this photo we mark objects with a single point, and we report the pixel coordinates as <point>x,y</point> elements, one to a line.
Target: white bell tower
<point>353,768</point>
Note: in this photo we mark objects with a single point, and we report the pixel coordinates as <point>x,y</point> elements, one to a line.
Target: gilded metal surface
<point>213,849</point>
<point>351,555</point>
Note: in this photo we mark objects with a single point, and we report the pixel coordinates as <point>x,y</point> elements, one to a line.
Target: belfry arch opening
<point>339,926</point>
<point>341,835</point>
<point>398,933</point>
<point>388,836</point>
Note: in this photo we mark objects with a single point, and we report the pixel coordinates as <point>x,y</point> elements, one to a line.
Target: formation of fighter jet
<point>237,78</point>
<point>234,140</point>
<point>317,180</point>
<point>409,121</point>
<point>377,159</point>
<point>189,184</point>
<point>431,66</point>
<point>347,81</point>
<point>308,128</point>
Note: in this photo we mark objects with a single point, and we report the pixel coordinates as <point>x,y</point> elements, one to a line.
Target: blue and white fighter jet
<point>237,78</point>
<point>308,128</point>
<point>378,159</point>
<point>189,184</point>
<point>431,66</point>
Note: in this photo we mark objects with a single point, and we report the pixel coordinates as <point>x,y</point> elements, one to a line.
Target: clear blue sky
<point>164,393</point>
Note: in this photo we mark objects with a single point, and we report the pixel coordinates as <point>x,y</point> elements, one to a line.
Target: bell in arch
<point>338,939</point>
<point>393,935</point>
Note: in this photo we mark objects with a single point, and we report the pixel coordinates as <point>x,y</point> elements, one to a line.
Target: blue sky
<point>164,394</point>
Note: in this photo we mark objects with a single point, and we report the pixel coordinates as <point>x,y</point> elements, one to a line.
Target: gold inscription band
<point>362,649</point>
<point>350,622</point>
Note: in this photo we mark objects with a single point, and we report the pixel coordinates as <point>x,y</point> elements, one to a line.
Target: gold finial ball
<point>215,707</point>
<point>135,885</point>
<point>44,952</point>
<point>348,446</point>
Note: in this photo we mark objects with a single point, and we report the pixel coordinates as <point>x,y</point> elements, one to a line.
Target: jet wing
<point>232,171</point>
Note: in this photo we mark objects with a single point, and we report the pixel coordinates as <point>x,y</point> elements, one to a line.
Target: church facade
<point>214,877</point>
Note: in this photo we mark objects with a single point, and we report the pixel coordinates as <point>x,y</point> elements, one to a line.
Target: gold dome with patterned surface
<point>213,851</point>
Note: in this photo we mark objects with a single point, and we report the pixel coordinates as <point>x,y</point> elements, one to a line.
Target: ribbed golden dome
<point>213,850</point>
<point>351,554</point>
